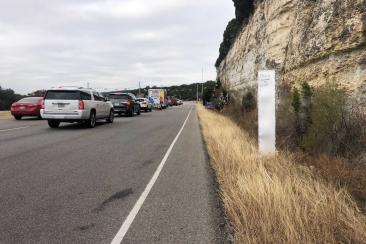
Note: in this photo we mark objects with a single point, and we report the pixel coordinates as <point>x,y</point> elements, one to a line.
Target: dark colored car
<point>173,101</point>
<point>125,103</point>
<point>29,106</point>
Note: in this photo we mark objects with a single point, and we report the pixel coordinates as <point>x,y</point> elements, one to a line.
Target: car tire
<point>150,110</point>
<point>110,119</point>
<point>53,124</point>
<point>132,113</point>
<point>90,123</point>
<point>138,111</point>
<point>146,110</point>
<point>17,117</point>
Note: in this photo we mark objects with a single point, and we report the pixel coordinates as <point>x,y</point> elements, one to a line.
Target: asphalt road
<point>77,185</point>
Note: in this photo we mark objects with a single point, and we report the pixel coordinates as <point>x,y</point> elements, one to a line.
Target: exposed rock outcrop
<point>304,40</point>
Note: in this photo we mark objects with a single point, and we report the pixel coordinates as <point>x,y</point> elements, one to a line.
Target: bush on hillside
<point>230,34</point>
<point>249,101</point>
<point>243,9</point>
<point>328,110</point>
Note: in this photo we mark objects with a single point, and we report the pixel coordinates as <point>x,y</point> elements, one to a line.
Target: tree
<point>243,9</point>
<point>232,30</point>
<point>38,93</point>
<point>7,97</point>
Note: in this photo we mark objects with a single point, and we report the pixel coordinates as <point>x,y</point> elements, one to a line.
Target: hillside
<point>313,41</point>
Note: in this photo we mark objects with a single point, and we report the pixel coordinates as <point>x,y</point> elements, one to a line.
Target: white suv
<point>145,104</point>
<point>71,104</point>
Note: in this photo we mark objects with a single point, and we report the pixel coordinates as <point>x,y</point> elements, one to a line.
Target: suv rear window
<point>63,95</point>
<point>141,99</point>
<point>119,96</point>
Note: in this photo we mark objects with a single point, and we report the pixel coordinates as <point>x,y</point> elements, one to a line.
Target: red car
<point>29,106</point>
<point>173,101</point>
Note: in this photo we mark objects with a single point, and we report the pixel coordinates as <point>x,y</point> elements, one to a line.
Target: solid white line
<point>19,128</point>
<point>131,216</point>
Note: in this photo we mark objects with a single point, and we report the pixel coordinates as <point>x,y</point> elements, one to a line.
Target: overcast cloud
<point>109,43</point>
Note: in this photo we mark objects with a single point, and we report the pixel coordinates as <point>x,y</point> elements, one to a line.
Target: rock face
<point>304,40</point>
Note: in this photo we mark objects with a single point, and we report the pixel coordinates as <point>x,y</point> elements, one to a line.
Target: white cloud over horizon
<point>111,44</point>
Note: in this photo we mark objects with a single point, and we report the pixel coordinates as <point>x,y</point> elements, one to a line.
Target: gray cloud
<point>110,43</point>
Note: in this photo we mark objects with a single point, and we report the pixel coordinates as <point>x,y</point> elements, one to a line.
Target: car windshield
<point>63,95</point>
<point>118,96</point>
<point>30,100</point>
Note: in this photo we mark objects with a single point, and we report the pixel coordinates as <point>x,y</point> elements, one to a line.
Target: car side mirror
<point>106,99</point>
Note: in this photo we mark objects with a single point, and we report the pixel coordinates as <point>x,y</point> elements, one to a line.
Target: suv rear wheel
<point>90,123</point>
<point>17,117</point>
<point>110,119</point>
<point>53,123</point>
<point>132,113</point>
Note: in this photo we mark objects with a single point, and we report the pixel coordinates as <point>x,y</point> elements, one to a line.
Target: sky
<point>110,44</point>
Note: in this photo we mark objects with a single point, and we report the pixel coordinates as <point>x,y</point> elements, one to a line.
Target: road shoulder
<point>183,206</point>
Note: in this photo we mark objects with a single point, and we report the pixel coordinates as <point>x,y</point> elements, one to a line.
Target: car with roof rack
<point>75,104</point>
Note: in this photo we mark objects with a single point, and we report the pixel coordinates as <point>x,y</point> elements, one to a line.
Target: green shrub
<point>249,102</point>
<point>296,101</point>
<point>327,109</point>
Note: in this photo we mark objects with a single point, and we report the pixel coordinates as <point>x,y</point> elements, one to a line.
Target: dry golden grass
<point>271,199</point>
<point>5,115</point>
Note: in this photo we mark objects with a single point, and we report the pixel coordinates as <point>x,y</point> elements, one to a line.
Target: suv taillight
<point>81,105</point>
<point>42,104</point>
<point>129,104</point>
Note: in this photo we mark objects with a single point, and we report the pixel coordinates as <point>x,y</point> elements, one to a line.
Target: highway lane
<point>77,185</point>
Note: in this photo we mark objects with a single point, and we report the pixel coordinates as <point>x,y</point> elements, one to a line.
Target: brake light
<point>42,104</point>
<point>129,104</point>
<point>81,105</point>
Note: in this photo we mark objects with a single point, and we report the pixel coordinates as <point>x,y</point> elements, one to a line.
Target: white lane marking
<point>131,216</point>
<point>18,128</point>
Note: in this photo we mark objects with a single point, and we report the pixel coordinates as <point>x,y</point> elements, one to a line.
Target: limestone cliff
<point>304,40</point>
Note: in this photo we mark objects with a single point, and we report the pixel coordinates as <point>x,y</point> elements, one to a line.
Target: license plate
<point>116,104</point>
<point>21,107</point>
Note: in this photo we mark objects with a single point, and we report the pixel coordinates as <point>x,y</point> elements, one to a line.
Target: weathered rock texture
<point>304,40</point>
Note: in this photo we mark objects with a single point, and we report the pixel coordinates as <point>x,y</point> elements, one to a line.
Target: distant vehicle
<point>173,101</point>
<point>125,103</point>
<point>210,105</point>
<point>180,102</point>
<point>145,104</point>
<point>29,106</point>
<point>75,104</point>
<point>160,98</point>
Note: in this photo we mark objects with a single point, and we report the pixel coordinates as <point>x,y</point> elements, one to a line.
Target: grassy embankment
<point>272,199</point>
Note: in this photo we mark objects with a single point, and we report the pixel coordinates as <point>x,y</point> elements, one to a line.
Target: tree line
<point>8,97</point>
<point>184,92</point>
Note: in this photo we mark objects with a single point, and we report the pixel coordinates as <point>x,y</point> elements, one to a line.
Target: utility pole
<point>202,85</point>
<point>88,86</point>
<point>139,88</point>
<point>197,92</point>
